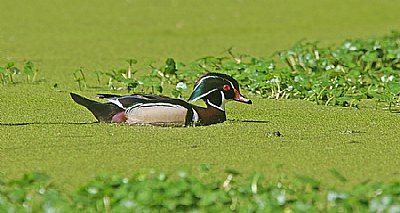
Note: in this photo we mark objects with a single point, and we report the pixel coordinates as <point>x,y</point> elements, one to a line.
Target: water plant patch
<point>183,191</point>
<point>342,75</point>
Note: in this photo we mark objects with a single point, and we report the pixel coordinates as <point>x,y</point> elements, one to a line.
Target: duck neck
<point>215,110</point>
<point>216,100</point>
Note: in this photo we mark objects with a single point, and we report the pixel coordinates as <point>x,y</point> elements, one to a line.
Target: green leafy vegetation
<point>355,70</point>
<point>43,130</point>
<point>183,191</point>
<point>12,74</point>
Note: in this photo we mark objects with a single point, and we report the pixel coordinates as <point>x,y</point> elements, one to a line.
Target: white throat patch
<point>222,107</point>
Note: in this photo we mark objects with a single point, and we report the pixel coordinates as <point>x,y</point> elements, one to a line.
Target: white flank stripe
<point>116,102</point>
<point>195,116</point>
<point>155,105</point>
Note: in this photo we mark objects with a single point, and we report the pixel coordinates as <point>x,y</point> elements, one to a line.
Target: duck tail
<point>104,112</point>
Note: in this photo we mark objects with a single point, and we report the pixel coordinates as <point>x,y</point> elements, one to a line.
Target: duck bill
<point>240,98</point>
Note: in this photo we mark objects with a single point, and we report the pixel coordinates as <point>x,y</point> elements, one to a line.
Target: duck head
<point>215,89</point>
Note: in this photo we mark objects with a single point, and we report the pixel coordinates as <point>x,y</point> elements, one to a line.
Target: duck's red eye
<point>226,87</point>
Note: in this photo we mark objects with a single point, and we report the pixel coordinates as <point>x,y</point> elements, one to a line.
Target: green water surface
<point>42,129</point>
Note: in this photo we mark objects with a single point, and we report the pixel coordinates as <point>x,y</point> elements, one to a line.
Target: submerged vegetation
<point>155,191</point>
<point>354,70</point>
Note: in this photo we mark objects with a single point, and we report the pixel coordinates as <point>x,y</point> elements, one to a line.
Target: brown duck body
<point>136,109</point>
<point>177,115</point>
<point>155,111</point>
<point>160,114</point>
<point>209,115</point>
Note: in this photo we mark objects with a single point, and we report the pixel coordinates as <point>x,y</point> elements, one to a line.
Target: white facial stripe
<point>213,105</point>
<point>205,94</point>
<point>223,100</point>
<point>222,107</point>
<point>199,82</point>
<point>233,87</point>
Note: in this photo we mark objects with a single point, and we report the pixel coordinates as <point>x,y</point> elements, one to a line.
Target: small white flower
<point>271,66</point>
<point>353,48</point>
<point>298,78</point>
<point>380,204</point>
<point>181,86</point>
<point>92,190</point>
<point>333,196</point>
<point>42,191</point>
<point>277,79</point>
<point>329,67</point>
<point>377,46</point>
<point>162,177</point>
<point>394,208</point>
<point>281,199</point>
<point>347,44</point>
<point>339,68</point>
<point>128,203</point>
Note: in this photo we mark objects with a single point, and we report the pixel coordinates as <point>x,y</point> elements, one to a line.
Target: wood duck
<point>214,88</point>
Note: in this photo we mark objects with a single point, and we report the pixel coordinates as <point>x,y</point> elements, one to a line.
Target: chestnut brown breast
<point>209,115</point>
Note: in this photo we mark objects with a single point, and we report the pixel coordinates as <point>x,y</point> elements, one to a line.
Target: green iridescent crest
<point>207,84</point>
